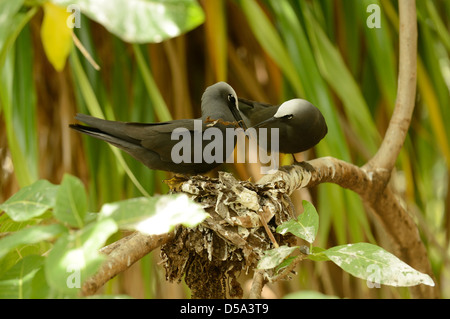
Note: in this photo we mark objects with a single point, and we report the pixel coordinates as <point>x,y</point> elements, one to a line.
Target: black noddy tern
<point>151,143</point>
<point>301,125</point>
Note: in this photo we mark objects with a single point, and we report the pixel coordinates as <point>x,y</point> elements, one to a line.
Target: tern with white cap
<point>301,125</point>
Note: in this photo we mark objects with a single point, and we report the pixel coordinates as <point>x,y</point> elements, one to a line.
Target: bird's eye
<point>289,117</point>
<point>231,98</point>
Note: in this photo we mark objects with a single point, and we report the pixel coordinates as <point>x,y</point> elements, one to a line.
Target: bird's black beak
<point>237,115</point>
<point>265,122</point>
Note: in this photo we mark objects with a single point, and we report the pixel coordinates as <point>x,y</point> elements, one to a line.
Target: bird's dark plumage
<point>151,143</point>
<point>301,125</point>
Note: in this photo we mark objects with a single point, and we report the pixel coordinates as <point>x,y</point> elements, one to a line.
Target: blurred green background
<point>268,50</point>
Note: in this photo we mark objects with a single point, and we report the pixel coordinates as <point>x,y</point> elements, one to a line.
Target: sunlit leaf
<point>340,79</point>
<point>274,257</point>
<point>266,34</point>
<point>30,235</point>
<point>16,282</point>
<point>71,202</point>
<point>75,256</point>
<point>155,215</point>
<point>373,263</point>
<point>141,20</point>
<point>31,201</point>
<point>306,225</point>
<point>56,35</point>
<point>317,254</point>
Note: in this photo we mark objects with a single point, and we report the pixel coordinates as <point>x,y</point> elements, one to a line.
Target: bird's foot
<point>295,160</point>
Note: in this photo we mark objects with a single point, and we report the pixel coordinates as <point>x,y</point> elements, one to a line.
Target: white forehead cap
<point>290,107</point>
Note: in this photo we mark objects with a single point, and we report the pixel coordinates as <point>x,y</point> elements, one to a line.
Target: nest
<point>232,240</point>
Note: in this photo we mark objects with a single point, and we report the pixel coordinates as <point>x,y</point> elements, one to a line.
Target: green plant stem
<point>160,107</point>
<point>95,109</point>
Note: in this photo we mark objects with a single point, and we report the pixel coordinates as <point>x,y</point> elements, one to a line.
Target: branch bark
<point>121,255</point>
<point>384,159</point>
<point>257,284</point>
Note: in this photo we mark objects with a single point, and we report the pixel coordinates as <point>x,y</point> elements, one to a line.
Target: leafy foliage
<point>141,20</point>
<point>74,235</point>
<point>370,262</point>
<point>306,225</point>
<point>362,260</point>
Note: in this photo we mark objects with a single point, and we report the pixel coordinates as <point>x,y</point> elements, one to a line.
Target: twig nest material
<point>231,240</point>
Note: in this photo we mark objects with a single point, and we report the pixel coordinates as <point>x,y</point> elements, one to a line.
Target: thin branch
<point>83,50</point>
<point>257,284</point>
<point>266,227</point>
<point>288,270</point>
<point>121,255</point>
<point>395,136</point>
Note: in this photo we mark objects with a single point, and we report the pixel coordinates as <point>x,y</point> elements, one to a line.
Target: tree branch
<point>121,255</point>
<point>395,136</point>
<point>257,284</point>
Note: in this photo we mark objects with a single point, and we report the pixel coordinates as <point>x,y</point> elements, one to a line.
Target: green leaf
<point>305,226</point>
<point>7,10</point>
<point>75,256</point>
<point>24,111</point>
<point>334,70</point>
<point>373,263</point>
<point>11,25</point>
<point>71,202</point>
<point>269,39</point>
<point>274,257</point>
<point>129,212</point>
<point>142,20</point>
<point>95,109</point>
<point>8,225</point>
<point>30,235</point>
<point>318,255</point>
<point>30,201</point>
<point>16,282</point>
<point>379,47</point>
<point>159,105</point>
<point>155,215</point>
<point>286,262</point>
<point>39,287</point>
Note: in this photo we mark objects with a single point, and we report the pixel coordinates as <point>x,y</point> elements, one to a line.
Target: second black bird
<point>300,124</point>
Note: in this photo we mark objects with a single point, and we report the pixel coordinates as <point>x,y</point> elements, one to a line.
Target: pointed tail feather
<point>98,134</point>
